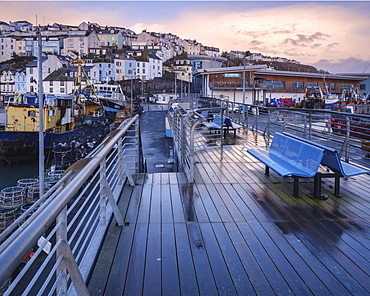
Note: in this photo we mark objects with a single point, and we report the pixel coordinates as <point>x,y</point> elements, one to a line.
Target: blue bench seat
<point>332,160</point>
<point>290,157</point>
<point>215,124</point>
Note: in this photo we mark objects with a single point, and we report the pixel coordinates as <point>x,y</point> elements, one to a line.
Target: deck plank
<point>235,231</point>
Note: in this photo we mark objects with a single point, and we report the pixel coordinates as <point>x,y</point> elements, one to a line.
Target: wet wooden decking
<point>236,232</point>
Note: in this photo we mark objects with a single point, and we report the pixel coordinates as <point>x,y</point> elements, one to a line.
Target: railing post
<point>61,271</point>
<point>309,125</point>
<point>106,192</point>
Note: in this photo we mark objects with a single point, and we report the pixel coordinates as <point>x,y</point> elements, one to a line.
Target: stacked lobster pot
<point>11,199</point>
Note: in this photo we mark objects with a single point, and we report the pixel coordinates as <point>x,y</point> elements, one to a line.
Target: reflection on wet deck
<point>236,232</point>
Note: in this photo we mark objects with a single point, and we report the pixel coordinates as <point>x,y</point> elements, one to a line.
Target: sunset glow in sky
<point>331,35</point>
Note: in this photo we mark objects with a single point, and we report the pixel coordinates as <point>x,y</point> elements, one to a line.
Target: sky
<point>330,35</point>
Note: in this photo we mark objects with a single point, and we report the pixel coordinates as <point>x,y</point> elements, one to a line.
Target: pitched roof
<point>34,63</point>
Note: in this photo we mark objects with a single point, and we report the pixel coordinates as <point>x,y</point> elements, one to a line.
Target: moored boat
<point>66,119</point>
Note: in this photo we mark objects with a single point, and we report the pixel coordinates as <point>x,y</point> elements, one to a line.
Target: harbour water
<point>10,174</point>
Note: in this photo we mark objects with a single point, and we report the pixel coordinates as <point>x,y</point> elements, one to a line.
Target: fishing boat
<point>315,98</point>
<point>66,120</point>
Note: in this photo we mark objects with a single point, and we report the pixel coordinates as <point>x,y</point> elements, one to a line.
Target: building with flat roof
<point>262,85</point>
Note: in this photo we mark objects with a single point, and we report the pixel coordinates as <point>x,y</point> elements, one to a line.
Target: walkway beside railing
<point>218,227</point>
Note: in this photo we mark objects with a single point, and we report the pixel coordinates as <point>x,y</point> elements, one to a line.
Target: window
<point>311,84</point>
<point>276,84</point>
<point>62,90</point>
<point>62,83</point>
<point>31,70</point>
<point>362,87</point>
<point>51,90</point>
<point>297,85</point>
<point>345,86</point>
<point>31,113</point>
<point>51,83</point>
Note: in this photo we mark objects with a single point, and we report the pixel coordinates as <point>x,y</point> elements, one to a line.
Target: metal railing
<point>66,227</point>
<point>348,133</point>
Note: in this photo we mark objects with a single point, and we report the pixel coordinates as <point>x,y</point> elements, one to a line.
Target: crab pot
<point>50,182</point>
<point>33,193</point>
<point>57,174</point>
<point>7,217</point>
<point>26,183</point>
<point>12,197</point>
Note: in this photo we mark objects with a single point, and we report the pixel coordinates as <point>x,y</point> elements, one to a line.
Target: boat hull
<point>18,146</point>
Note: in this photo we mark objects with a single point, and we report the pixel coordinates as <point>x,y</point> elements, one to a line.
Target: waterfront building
<point>203,62</point>
<point>124,67</point>
<point>81,41</point>
<point>7,48</point>
<point>4,27</point>
<point>364,88</point>
<point>49,65</point>
<point>106,70</point>
<point>148,66</point>
<point>7,83</point>
<point>210,51</point>
<point>183,69</point>
<point>263,85</point>
<point>20,85</point>
<point>21,26</point>
<point>60,82</point>
<point>192,47</point>
<point>111,38</point>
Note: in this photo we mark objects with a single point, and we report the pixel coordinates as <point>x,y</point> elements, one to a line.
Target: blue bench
<point>290,157</point>
<point>215,124</point>
<point>233,125</point>
<point>331,160</point>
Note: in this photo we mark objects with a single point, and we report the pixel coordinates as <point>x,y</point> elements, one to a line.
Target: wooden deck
<point>236,232</point>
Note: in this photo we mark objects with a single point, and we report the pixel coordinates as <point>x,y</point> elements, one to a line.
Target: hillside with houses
<point>111,55</point>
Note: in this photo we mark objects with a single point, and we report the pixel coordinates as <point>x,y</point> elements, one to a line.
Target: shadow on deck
<point>236,232</point>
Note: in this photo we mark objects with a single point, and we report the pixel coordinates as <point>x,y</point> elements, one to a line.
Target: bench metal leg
<point>337,185</point>
<point>295,186</point>
<point>267,171</point>
<point>317,188</point>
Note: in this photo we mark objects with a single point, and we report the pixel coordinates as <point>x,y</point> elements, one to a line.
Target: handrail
<point>342,131</point>
<point>16,248</point>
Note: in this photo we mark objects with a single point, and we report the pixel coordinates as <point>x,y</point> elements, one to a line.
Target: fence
<point>68,224</point>
<point>346,132</point>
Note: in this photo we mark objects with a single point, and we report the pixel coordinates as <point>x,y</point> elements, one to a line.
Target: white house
<point>7,85</point>
<point>49,65</point>
<point>149,68</point>
<point>20,85</point>
<point>124,67</point>
<point>7,48</point>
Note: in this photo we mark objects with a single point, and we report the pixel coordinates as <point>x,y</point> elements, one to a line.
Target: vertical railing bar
<point>34,257</point>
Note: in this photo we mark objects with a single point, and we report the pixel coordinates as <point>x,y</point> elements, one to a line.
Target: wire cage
<point>56,174</point>
<point>12,197</point>
<point>7,217</point>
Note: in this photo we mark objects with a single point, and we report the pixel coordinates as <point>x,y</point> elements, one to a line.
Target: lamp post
<point>244,79</point>
<point>41,116</point>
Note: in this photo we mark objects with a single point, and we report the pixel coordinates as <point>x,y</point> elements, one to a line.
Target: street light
<point>39,38</point>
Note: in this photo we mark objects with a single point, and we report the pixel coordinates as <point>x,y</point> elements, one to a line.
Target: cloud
<point>305,40</point>
<point>348,65</point>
